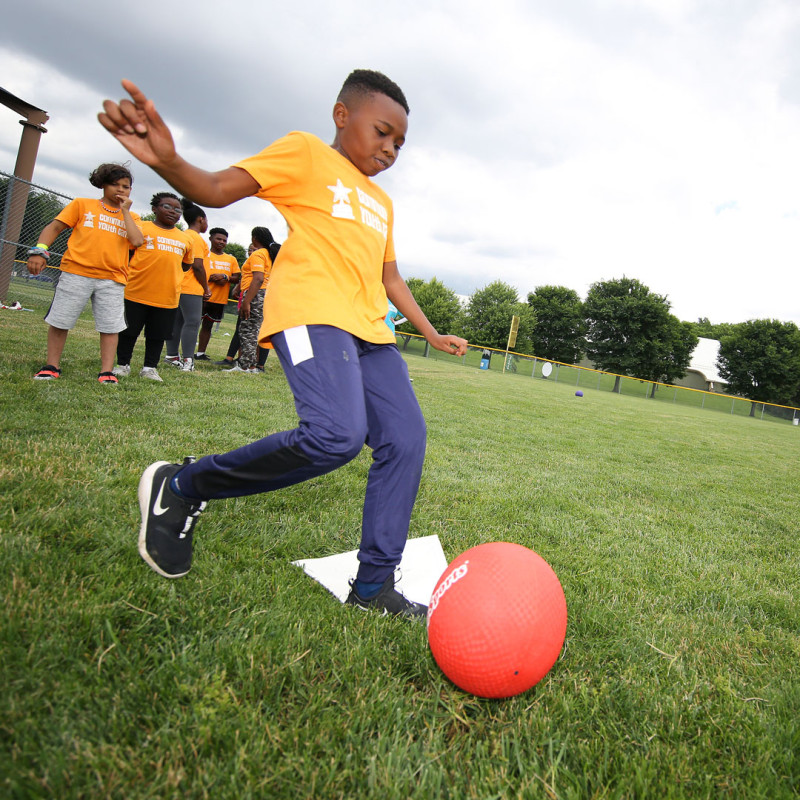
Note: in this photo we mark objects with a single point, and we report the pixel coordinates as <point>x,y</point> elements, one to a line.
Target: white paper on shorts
<point>421,567</point>
<point>299,344</point>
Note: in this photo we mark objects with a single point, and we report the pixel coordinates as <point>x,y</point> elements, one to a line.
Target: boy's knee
<point>337,444</point>
<point>412,444</point>
<point>408,443</point>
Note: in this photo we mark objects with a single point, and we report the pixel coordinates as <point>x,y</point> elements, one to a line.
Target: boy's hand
<point>244,309</point>
<point>139,127</point>
<point>454,345</point>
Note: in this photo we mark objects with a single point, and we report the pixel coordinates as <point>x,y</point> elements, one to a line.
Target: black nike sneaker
<point>165,537</point>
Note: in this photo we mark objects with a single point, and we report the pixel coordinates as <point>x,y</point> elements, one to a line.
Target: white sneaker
<point>174,360</point>
<point>122,370</point>
<point>187,365</point>
<point>236,368</point>
<point>151,373</point>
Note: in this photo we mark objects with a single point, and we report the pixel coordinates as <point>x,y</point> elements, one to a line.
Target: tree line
<point>621,327</point>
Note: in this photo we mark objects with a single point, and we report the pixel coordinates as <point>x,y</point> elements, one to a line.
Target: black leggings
<point>157,324</point>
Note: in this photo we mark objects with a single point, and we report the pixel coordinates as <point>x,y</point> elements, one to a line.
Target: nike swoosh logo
<point>158,509</point>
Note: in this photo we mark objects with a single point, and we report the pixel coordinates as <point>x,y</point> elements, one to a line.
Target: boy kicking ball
<point>324,315</point>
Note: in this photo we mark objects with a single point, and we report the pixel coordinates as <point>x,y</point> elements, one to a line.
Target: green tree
<point>760,359</point>
<point>237,251</point>
<point>439,304</point>
<point>487,319</point>
<point>631,332</point>
<point>559,331</point>
<point>710,330</point>
<point>414,284</point>
<point>672,352</point>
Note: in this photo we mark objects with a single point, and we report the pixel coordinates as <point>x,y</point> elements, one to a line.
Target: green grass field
<point>673,531</point>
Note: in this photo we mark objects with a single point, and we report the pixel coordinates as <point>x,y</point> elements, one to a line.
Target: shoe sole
<point>145,495</point>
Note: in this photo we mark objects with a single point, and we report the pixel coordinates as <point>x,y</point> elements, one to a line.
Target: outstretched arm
<point>137,125</point>
<point>400,295</point>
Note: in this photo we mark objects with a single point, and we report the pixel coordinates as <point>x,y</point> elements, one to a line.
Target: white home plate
<point>421,567</point>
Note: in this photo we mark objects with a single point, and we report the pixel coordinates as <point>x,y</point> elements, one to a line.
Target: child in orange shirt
<point>94,267</point>
<point>324,314</point>
<point>223,272</point>
<point>154,284</point>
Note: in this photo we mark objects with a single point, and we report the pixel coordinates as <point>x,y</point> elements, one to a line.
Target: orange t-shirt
<point>98,245</point>
<point>155,272</point>
<point>224,264</point>
<point>330,269</point>
<point>190,284</point>
<point>257,261</point>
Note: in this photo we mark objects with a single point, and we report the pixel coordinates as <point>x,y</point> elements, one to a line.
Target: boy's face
<point>370,132</point>
<point>218,242</point>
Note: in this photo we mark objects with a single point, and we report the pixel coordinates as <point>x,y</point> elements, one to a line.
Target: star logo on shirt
<point>88,220</point>
<point>341,201</point>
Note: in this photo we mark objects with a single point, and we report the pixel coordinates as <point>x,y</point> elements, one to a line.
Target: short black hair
<point>109,173</point>
<point>156,199</point>
<point>215,231</point>
<point>191,212</point>
<point>364,82</point>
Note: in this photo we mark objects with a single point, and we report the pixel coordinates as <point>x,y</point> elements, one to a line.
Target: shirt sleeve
<point>71,213</point>
<point>280,167</point>
<point>188,253</point>
<point>260,261</point>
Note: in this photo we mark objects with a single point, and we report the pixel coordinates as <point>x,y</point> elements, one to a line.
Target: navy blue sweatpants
<point>347,392</point>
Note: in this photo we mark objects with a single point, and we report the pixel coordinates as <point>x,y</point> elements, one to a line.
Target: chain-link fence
<point>586,379</point>
<point>25,209</point>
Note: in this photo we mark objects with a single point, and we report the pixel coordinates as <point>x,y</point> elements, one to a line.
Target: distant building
<point>702,371</point>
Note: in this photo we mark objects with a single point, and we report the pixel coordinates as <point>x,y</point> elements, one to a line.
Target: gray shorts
<point>72,294</point>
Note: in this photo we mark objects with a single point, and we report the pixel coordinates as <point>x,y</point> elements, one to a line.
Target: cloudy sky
<point>550,141</point>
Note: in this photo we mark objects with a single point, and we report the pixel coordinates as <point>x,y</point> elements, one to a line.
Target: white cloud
<point>558,144</point>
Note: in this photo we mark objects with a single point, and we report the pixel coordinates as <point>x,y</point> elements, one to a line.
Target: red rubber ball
<point>497,620</point>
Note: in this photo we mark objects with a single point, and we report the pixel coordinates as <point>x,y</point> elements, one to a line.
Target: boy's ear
<point>340,114</point>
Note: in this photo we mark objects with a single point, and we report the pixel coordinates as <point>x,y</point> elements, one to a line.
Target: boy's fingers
<point>134,91</point>
<point>133,116</point>
<point>152,115</point>
<point>143,105</point>
<point>107,122</point>
<point>113,119</point>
